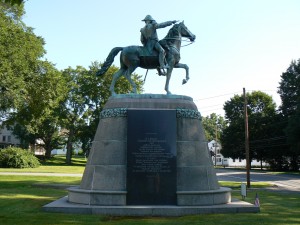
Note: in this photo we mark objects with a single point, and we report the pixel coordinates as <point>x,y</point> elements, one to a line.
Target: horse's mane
<point>169,38</point>
<point>172,32</point>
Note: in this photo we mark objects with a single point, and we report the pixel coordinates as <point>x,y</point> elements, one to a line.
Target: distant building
<point>38,147</point>
<point>63,150</point>
<point>219,160</point>
<point>7,138</point>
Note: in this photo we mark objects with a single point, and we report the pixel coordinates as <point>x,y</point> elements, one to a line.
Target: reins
<point>191,42</point>
<point>183,40</point>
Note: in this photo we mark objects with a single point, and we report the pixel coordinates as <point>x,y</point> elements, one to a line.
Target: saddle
<point>150,60</point>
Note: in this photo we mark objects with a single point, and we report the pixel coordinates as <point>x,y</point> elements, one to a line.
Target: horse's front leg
<point>168,77</point>
<point>184,66</point>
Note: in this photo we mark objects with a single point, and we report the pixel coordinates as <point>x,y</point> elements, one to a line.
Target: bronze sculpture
<point>150,41</point>
<point>138,56</point>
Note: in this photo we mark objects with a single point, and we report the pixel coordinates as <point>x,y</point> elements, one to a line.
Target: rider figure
<point>149,38</point>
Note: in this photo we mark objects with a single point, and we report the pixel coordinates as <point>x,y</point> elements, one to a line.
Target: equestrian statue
<point>163,55</point>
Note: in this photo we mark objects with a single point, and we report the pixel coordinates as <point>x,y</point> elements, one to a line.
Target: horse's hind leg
<point>184,66</point>
<point>128,73</point>
<point>116,76</point>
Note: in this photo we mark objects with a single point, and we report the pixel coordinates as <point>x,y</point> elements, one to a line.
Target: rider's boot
<point>160,72</point>
<point>162,67</point>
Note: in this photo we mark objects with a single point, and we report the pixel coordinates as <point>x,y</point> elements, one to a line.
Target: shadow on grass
<point>15,182</point>
<point>61,161</point>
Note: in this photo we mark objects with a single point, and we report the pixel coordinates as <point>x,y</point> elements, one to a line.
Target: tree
<point>293,137</point>
<point>13,2</point>
<point>74,106</point>
<point>86,99</point>
<point>261,114</point>
<point>289,91</point>
<point>213,126</point>
<point>20,51</point>
<point>40,112</point>
<point>96,92</point>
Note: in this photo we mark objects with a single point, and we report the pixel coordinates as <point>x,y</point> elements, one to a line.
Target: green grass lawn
<point>22,198</point>
<point>55,165</point>
<point>21,202</point>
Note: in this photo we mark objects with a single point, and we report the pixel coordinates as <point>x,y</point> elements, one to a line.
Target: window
<point>4,138</point>
<point>233,160</point>
<point>8,138</point>
<point>240,160</point>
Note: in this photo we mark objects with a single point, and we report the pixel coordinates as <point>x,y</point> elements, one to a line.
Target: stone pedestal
<point>104,182</point>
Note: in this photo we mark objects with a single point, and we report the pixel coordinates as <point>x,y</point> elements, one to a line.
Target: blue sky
<point>240,43</point>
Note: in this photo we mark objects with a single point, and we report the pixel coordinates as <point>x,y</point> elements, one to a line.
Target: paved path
<point>281,181</point>
<point>42,174</point>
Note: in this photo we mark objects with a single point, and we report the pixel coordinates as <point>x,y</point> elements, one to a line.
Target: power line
<point>232,93</point>
<point>200,99</point>
<point>208,110</point>
<point>269,139</point>
<point>210,106</point>
<point>262,90</point>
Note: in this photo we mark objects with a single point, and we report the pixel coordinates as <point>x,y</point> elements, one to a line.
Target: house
<point>7,138</point>
<point>219,160</point>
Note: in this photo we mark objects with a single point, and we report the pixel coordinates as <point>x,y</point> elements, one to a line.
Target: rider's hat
<point>149,18</point>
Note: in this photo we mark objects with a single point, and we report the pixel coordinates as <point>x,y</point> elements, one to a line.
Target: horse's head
<point>185,32</point>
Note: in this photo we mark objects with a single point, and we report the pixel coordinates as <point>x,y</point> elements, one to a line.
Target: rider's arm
<point>165,24</point>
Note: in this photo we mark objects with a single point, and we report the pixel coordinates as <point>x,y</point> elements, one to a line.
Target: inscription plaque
<point>151,157</point>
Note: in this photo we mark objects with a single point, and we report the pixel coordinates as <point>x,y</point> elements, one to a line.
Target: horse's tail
<point>109,60</point>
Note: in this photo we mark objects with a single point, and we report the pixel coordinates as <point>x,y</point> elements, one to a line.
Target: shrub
<point>13,157</point>
<point>81,152</point>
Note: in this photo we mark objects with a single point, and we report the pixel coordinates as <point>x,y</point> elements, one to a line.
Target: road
<point>284,181</point>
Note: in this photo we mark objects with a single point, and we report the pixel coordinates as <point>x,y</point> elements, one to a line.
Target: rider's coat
<point>149,35</point>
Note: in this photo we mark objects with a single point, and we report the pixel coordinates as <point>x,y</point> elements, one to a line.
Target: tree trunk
<point>70,147</point>
<point>294,163</point>
<point>48,153</point>
<point>48,149</point>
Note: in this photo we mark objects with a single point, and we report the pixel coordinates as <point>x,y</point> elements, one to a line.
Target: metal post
<point>246,139</point>
<point>216,154</point>
<point>216,145</point>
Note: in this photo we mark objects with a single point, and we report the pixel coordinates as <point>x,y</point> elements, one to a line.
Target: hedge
<point>13,157</point>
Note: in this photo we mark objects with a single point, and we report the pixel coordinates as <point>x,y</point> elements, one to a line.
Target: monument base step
<point>235,206</point>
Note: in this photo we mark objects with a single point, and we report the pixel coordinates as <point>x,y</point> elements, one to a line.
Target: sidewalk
<point>42,174</point>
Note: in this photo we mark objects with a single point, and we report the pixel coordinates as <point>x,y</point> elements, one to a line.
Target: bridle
<point>180,38</point>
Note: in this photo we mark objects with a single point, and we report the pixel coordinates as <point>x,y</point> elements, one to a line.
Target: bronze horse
<point>136,56</point>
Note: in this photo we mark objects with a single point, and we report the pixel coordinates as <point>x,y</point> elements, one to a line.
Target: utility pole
<point>246,139</point>
<point>216,145</point>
